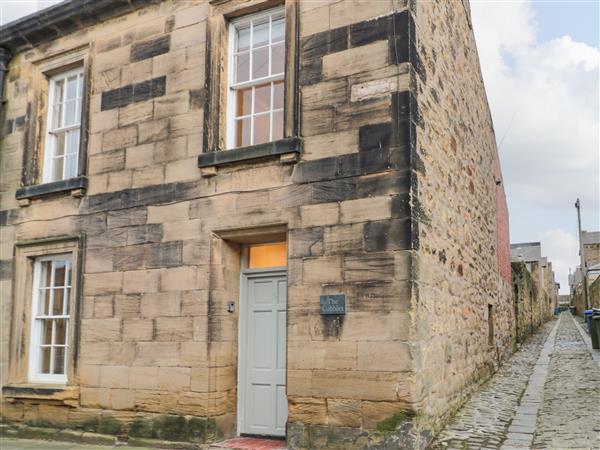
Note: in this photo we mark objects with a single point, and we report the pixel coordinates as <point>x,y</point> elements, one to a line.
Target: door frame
<point>245,275</point>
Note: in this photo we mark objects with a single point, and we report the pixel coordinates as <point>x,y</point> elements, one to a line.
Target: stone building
<point>535,293</point>
<point>591,258</point>
<point>265,217</point>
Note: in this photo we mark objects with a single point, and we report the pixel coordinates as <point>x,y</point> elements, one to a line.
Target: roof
<point>590,237</point>
<point>526,251</point>
<point>63,19</point>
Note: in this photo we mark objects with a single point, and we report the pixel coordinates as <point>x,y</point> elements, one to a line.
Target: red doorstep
<point>247,443</point>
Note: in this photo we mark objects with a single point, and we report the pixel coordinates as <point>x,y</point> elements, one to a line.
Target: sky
<point>540,63</point>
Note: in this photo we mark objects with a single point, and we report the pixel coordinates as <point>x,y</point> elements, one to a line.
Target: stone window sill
<point>287,149</point>
<point>76,186</point>
<point>60,393</point>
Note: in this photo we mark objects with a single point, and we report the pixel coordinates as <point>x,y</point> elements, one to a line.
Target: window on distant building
<point>63,129</point>
<point>256,82</point>
<point>51,306</point>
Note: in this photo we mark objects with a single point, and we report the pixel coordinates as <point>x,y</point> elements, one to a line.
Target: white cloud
<point>561,248</point>
<point>545,104</point>
<point>15,9</point>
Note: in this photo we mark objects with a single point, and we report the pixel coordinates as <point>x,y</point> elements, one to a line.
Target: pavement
<point>30,444</point>
<point>546,396</point>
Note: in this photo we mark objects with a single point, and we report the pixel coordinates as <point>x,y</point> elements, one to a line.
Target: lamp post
<point>582,256</point>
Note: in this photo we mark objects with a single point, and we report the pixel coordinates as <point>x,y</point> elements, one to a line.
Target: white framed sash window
<point>50,323</point>
<point>63,130</point>
<point>256,80</point>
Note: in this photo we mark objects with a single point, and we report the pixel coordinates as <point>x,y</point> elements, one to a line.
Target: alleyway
<point>546,396</point>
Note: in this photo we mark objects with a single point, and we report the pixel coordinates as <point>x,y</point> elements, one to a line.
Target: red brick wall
<point>502,230</point>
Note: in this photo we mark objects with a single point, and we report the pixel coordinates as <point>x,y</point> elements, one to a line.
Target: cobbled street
<point>546,396</point>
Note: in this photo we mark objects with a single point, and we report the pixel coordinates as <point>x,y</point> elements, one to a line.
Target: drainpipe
<point>4,60</point>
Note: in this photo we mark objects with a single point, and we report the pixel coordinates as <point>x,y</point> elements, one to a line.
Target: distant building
<point>535,291</point>
<point>591,258</point>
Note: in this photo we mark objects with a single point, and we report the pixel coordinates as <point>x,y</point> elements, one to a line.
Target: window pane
<point>269,255</point>
<point>261,129</point>
<point>243,132</point>
<point>59,273</point>
<point>262,98</point>
<point>80,90</point>
<point>242,67</point>
<point>46,278</point>
<point>45,362</point>
<point>58,303</point>
<point>57,116</point>
<point>72,87</point>
<point>278,30</point>
<point>60,332</point>
<point>57,169</point>
<point>260,32</point>
<point>70,113</point>
<point>59,360</point>
<point>278,95</point>
<point>70,166</point>
<point>260,63</point>
<point>58,92</point>
<point>277,59</point>
<point>244,102</point>
<point>243,38</point>
<point>46,332</point>
<point>59,148</point>
<point>44,302</point>
<point>66,300</point>
<point>277,125</point>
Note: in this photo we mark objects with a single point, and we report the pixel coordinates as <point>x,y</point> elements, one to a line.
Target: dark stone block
<point>372,161</point>
<point>335,190</point>
<point>4,217</point>
<point>401,208</point>
<point>20,122</point>
<point>306,242</point>
<point>144,234</point>
<point>8,127</point>
<point>383,184</point>
<point>103,202</point>
<point>197,98</point>
<point>315,45</point>
<point>363,33</point>
<point>385,235</point>
<point>126,217</point>
<point>128,258</point>
<point>5,269</point>
<point>311,71</point>
<point>374,136</point>
<point>398,49</point>
<point>117,98</point>
<point>320,169</point>
<point>91,223</point>
<point>150,48</point>
<point>149,89</point>
<point>165,254</point>
<point>338,40</point>
<point>403,25</point>
<point>320,44</point>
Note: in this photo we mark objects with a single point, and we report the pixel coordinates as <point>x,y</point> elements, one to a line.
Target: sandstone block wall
<point>393,203</point>
<point>462,277</point>
<point>155,344</point>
